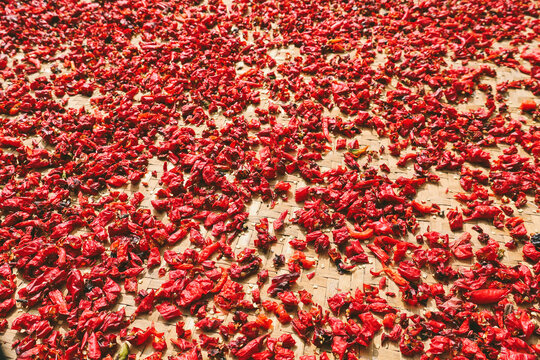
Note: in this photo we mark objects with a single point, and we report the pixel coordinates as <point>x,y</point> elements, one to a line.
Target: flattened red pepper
<point>395,276</point>
<point>208,251</point>
<point>487,296</point>
<point>250,348</point>
<point>361,235</point>
<point>379,253</point>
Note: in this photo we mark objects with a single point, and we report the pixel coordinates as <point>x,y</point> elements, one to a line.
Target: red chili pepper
<point>325,129</point>
<point>423,209</point>
<point>405,158</point>
<point>455,218</point>
<point>395,277</point>
<point>154,259</point>
<point>278,224</point>
<point>6,306</point>
<point>247,351</point>
<point>375,273</point>
<point>363,235</point>
<point>409,271</point>
<point>487,296</point>
<point>222,280</point>
<point>282,314</point>
<point>157,355</point>
<point>401,251</point>
<point>484,212</point>
<point>382,283</point>
<point>389,320</point>
<point>528,105</point>
<point>301,194</point>
<point>94,351</point>
<point>208,251</point>
<point>168,311</point>
<point>379,253</point>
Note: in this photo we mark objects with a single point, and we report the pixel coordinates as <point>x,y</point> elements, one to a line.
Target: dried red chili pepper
<point>154,259</point>
<point>423,209</point>
<point>278,224</point>
<point>379,253</point>
<point>168,311</point>
<point>487,296</point>
<point>409,271</point>
<point>528,106</point>
<point>455,218</point>
<point>282,282</point>
<point>208,251</point>
<point>361,235</point>
<point>400,281</point>
<point>250,348</point>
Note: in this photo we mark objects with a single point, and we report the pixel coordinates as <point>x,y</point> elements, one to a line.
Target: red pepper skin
<point>409,271</point>
<point>146,304</point>
<point>6,306</point>
<point>168,311</point>
<point>382,283</point>
<point>400,281</point>
<point>487,296</point>
<point>3,325</point>
<point>301,194</point>
<point>325,129</point>
<point>154,356</point>
<point>455,219</point>
<point>361,235</point>
<point>154,259</point>
<point>410,346</point>
<point>423,209</point>
<point>403,160</point>
<point>208,251</point>
<point>401,251</point>
<point>382,227</point>
<point>222,280</point>
<point>530,253</point>
<point>484,212</point>
<point>282,314</point>
<point>278,224</point>
<point>528,105</point>
<point>379,253</point>
<point>389,320</point>
<point>250,348</point>
<point>94,352</point>
<point>177,236</point>
<point>375,273</point>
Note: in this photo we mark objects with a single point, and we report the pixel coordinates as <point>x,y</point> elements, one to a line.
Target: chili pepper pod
<point>487,296</point>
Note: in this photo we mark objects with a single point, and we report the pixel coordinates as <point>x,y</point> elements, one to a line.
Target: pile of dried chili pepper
<point>136,137</point>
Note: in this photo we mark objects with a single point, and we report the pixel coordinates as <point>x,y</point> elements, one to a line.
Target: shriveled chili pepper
<point>361,235</point>
<point>208,251</point>
<point>424,209</point>
<point>487,296</point>
<point>395,277</point>
<point>250,348</point>
<point>379,253</point>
